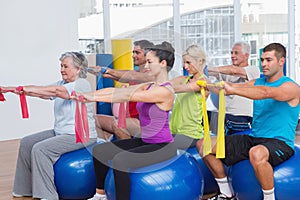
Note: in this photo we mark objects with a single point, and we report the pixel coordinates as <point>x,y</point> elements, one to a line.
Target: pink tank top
<point>154,122</point>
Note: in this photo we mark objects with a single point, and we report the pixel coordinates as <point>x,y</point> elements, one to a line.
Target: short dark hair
<point>144,44</point>
<point>279,49</point>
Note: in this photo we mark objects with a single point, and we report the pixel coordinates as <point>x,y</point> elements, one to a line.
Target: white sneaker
<point>17,195</point>
<point>98,197</point>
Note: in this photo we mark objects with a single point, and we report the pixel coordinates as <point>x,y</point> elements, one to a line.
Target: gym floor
<point>8,157</point>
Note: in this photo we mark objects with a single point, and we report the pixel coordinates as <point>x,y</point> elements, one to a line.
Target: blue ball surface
<point>210,184</point>
<point>74,175</point>
<point>177,178</point>
<point>286,179</point>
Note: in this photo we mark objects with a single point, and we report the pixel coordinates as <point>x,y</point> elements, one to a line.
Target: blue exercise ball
<point>210,184</point>
<point>175,179</point>
<point>74,175</point>
<point>286,179</point>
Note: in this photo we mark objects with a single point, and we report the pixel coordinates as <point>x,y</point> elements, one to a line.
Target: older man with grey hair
<point>238,109</point>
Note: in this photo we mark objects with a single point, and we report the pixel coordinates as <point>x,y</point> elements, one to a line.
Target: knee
<point>199,146</point>
<point>114,125</point>
<point>119,162</point>
<point>258,154</point>
<point>25,142</point>
<point>99,151</point>
<point>39,152</point>
<point>104,152</point>
<point>37,149</point>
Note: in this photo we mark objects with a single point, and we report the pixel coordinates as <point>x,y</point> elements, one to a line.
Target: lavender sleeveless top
<point>154,122</point>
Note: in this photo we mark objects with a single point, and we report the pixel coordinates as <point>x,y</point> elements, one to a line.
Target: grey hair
<point>196,52</point>
<point>244,45</point>
<point>79,60</point>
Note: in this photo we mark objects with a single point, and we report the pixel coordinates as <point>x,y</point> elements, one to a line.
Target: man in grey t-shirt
<point>238,109</point>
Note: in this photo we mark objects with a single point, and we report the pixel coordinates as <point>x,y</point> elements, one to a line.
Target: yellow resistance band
<point>206,136</point>
<point>220,148</point>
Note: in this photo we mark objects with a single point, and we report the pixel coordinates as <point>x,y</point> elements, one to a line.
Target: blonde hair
<point>196,52</point>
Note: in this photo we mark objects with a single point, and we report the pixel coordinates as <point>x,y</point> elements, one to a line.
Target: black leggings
<point>137,154</point>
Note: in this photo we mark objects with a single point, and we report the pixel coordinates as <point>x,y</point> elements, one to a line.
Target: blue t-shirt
<point>272,118</point>
<point>64,110</point>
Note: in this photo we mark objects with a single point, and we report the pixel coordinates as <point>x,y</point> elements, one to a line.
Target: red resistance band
<point>122,115</point>
<point>2,98</point>
<point>81,120</point>
<point>23,102</point>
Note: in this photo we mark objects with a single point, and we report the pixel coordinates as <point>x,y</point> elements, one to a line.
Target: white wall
<point>33,34</point>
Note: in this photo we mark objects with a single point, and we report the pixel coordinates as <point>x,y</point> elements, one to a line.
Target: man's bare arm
<point>289,92</point>
<point>125,76</point>
<point>228,69</point>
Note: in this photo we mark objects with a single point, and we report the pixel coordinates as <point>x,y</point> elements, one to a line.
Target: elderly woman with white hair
<point>39,152</point>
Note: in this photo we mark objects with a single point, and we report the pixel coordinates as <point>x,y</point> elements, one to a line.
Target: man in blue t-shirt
<point>272,139</point>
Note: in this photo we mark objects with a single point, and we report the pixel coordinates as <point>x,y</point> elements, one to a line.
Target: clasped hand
<point>11,89</point>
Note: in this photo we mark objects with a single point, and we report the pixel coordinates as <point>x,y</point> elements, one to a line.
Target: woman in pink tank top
<point>155,100</point>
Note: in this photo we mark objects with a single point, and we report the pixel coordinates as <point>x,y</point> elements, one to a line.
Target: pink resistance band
<point>2,98</point>
<point>122,115</point>
<point>81,120</point>
<point>22,101</point>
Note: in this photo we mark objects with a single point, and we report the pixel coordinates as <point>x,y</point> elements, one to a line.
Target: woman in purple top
<point>155,100</point>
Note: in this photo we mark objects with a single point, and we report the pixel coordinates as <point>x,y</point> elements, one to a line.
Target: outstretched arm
<point>125,76</point>
<point>229,70</point>
<point>289,91</point>
<point>44,92</point>
<point>95,70</point>
<point>180,85</point>
<point>110,94</point>
<point>162,96</point>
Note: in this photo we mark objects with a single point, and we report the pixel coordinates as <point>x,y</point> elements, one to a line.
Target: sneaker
<point>98,197</point>
<point>17,195</point>
<point>221,197</point>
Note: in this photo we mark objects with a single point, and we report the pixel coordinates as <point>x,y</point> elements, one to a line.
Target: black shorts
<point>237,148</point>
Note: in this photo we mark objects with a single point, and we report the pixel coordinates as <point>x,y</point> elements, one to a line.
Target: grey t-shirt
<point>237,105</point>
